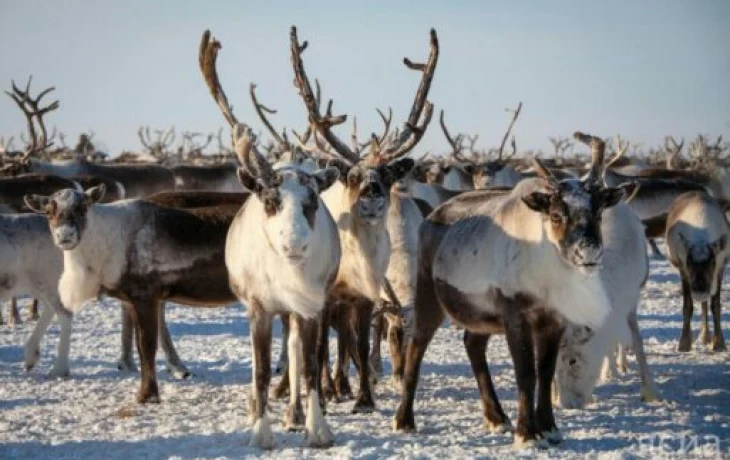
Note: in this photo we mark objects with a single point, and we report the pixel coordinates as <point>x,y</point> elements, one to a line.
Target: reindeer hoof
<point>501,427</point>
<point>261,436</point>
<point>553,437</point>
<point>403,423</point>
<point>179,372</point>
<point>294,418</point>
<point>126,365</point>
<point>148,397</point>
<point>718,345</point>
<point>524,442</point>
<point>57,372</point>
<point>651,394</point>
<point>31,358</point>
<point>685,344</point>
<point>363,405</point>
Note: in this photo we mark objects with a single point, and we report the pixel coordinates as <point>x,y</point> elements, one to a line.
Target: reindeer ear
<point>719,245</point>
<point>325,178</point>
<point>467,168</point>
<point>537,201</point>
<point>419,172</point>
<point>95,194</point>
<point>248,181</point>
<point>398,169</point>
<point>37,203</point>
<point>611,196</point>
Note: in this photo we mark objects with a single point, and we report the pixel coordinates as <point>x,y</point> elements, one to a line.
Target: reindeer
<point>624,271</point>
<point>487,173</point>
<point>359,204</point>
<point>482,261</point>
<point>285,210</point>
<point>697,242</point>
<point>158,148</point>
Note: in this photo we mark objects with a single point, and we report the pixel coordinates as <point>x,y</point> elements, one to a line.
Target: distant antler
<point>455,143</point>
<point>560,144</point>
<point>31,108</point>
<point>515,114</point>
<point>673,150</point>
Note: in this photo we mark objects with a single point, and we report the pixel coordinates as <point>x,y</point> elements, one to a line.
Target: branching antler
<point>560,144</point>
<point>323,124</point>
<point>456,143</point>
<point>262,110</point>
<point>673,150</point>
<point>244,141</point>
<point>412,131</point>
<point>515,114</point>
<point>38,141</point>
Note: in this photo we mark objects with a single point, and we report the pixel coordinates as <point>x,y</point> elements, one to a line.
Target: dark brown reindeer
<point>359,204</point>
<point>479,264</point>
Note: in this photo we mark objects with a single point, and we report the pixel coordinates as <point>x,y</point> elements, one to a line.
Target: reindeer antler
<point>455,143</point>
<point>598,148</point>
<point>244,141</point>
<point>323,124</point>
<point>31,108</point>
<point>412,131</point>
<point>673,150</point>
<point>515,114</point>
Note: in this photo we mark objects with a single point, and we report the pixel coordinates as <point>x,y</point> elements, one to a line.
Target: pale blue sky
<point>642,68</point>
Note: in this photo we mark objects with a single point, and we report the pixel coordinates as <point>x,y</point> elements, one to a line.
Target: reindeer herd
<point>361,238</point>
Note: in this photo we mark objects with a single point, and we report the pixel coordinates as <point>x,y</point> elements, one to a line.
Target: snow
<point>93,413</point>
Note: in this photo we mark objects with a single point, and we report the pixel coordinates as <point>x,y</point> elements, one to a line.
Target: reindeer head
<point>367,180</point>
<point>430,171</point>
<point>287,196</point>
<point>577,368</point>
<point>572,209</point>
<point>702,260</point>
<point>66,211</point>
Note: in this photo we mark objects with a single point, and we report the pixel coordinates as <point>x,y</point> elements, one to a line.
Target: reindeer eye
<point>556,218</point>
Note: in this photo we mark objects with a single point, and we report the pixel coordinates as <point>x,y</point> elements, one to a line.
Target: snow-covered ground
<point>93,413</point>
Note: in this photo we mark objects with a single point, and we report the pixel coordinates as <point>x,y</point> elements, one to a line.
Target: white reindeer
<point>624,271</point>
<point>519,264</point>
<point>282,254</point>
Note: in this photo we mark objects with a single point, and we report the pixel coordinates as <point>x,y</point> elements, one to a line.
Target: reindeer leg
<point>548,333</point>
<point>33,311</point>
<point>428,315</point>
<point>174,363</point>
<point>649,390</point>
<point>705,337</point>
<point>318,433</point>
<point>126,360</point>
<point>495,420</point>
<point>261,324</point>
<point>282,389</point>
<point>32,346</point>
<point>283,354</point>
<point>396,342</point>
<point>521,347</point>
<point>364,315</point>
<point>13,314</point>
<point>146,320</point>
<point>294,418</point>
<point>685,340</point>
<point>718,340</point>
<point>345,341</point>
<point>655,249</point>
<point>61,366</point>
<point>323,357</point>
<point>376,361</point>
